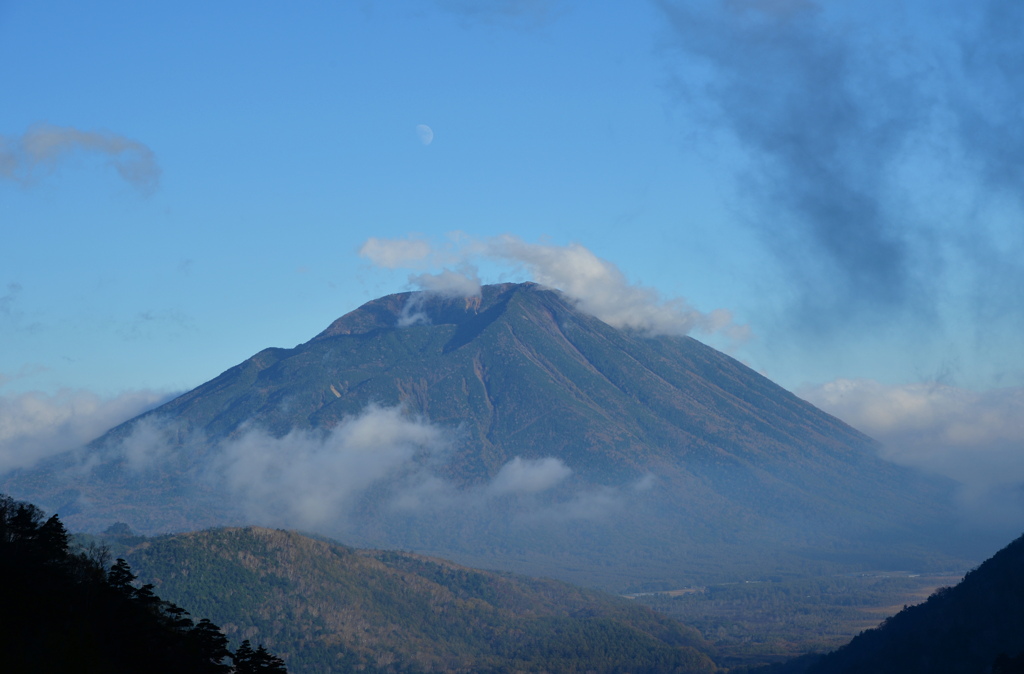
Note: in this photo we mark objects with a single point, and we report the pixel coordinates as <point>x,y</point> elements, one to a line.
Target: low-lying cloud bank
<point>381,460</point>
<point>975,438</point>
<point>35,426</point>
<point>597,285</point>
<point>308,479</point>
<point>318,480</point>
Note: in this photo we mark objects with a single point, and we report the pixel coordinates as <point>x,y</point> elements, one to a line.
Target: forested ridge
<point>64,611</point>
<point>326,608</point>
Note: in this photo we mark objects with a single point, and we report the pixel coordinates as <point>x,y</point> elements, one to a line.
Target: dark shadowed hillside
<point>63,610</point>
<point>512,431</point>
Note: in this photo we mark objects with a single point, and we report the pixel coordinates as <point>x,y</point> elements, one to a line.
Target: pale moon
<point>425,133</point>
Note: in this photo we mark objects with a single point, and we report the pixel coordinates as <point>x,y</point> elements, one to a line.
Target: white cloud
<point>381,458</point>
<point>927,415</point>
<point>311,479</point>
<point>601,289</point>
<point>44,146</point>
<point>598,286</point>
<point>593,504</point>
<point>34,426</point>
<point>449,283</point>
<point>413,312</point>
<point>395,253</point>
<point>975,438</point>
<point>314,480</point>
<point>148,446</point>
<point>529,476</point>
<point>645,483</point>
<point>524,493</point>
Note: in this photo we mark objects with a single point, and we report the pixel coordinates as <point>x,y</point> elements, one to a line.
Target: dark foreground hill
<point>512,431</point>
<point>959,630</point>
<point>62,610</point>
<point>329,608</point>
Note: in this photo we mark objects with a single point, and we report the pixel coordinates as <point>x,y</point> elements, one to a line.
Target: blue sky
<point>185,184</point>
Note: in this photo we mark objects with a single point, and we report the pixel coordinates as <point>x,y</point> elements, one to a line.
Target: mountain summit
<point>513,430</point>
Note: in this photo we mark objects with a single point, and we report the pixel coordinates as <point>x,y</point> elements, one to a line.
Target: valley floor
<point>771,621</point>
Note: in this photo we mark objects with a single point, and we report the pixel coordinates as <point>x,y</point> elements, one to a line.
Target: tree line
<point>67,609</point>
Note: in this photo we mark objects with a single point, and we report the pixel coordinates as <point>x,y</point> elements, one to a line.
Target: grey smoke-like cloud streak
<point>43,147</point>
<point>988,103</point>
<point>821,118</point>
<point>988,112</point>
<point>878,140</point>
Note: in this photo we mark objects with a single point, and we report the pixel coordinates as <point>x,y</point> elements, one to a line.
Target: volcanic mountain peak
<point>402,309</point>
<point>538,433</point>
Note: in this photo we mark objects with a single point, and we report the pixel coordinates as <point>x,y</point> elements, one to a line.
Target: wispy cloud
<point>310,479</point>
<point>529,476</point>
<point>149,446</point>
<point>397,253</point>
<point>386,458</point>
<point>147,324</point>
<point>449,283</point>
<point>34,426</point>
<point>382,462</point>
<point>601,289</point>
<point>597,285</point>
<point>8,299</point>
<point>13,315</point>
<point>44,147</point>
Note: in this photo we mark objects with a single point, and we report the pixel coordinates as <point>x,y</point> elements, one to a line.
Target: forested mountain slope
<point>326,607</point>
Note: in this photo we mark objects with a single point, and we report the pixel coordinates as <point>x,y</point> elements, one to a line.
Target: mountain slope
<point>325,607</point>
<point>570,448</point>
<point>526,369</point>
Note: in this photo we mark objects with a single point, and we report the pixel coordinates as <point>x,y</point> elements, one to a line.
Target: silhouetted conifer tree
<point>63,613</point>
<point>213,645</point>
<point>248,661</point>
<point>120,577</point>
